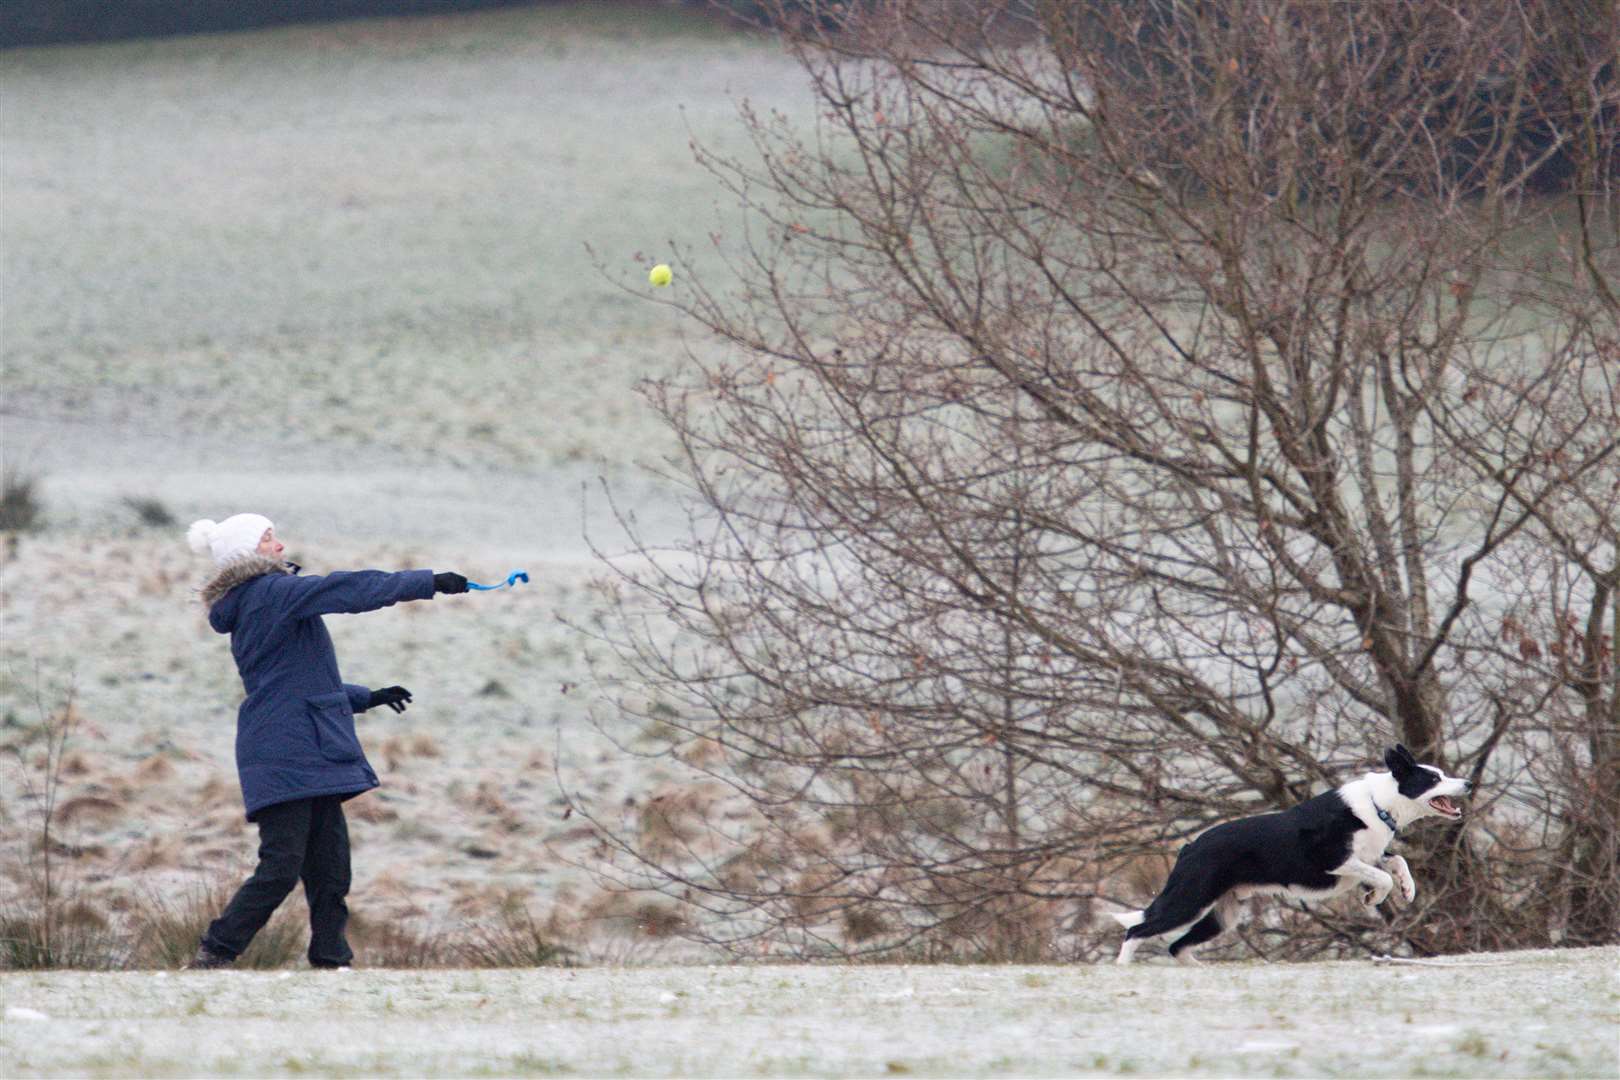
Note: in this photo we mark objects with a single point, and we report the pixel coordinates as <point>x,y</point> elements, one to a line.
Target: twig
<point>1385,958</point>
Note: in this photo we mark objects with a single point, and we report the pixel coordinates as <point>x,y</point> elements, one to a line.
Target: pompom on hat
<point>228,540</point>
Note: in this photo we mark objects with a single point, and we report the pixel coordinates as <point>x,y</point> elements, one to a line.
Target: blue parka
<point>295,736</point>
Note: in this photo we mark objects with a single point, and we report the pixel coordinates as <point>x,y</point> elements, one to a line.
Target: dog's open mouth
<point>1444,805</point>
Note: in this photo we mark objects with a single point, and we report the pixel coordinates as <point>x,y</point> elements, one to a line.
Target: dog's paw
<point>1403,877</point>
<point>1375,894</point>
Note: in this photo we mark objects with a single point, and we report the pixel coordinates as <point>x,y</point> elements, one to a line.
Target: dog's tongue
<point>1443,804</point>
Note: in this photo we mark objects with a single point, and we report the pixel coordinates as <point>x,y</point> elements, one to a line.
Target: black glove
<point>449,583</point>
<point>395,697</point>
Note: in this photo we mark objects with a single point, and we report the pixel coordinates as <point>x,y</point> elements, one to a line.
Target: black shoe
<point>207,959</point>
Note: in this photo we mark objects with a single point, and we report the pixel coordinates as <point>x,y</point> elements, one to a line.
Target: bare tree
<point>1136,416</point>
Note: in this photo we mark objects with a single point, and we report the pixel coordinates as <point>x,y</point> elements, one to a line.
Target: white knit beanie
<point>228,540</point>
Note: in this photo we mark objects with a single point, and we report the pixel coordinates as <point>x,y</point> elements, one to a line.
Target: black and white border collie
<point>1317,850</point>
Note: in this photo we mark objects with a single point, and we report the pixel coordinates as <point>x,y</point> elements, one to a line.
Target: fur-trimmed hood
<point>236,572</point>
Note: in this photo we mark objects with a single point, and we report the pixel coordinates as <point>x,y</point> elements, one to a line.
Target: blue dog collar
<point>1387,818</point>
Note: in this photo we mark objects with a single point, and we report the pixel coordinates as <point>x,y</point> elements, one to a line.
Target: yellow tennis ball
<point>660,275</point>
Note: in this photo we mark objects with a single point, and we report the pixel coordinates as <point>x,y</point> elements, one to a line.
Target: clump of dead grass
<point>514,938</point>
<point>71,933</point>
<point>165,931</point>
<point>380,942</point>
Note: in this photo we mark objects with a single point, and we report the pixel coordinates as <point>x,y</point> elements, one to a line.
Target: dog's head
<point>1431,790</point>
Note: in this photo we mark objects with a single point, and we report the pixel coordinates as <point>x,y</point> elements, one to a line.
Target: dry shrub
<point>386,886</point>
<point>701,753</point>
<point>68,850</point>
<point>218,855</point>
<point>49,923</point>
<point>64,721</point>
<point>487,799</point>
<point>228,821</point>
<point>658,920</point>
<point>167,931</point>
<point>156,853</point>
<point>90,809</point>
<point>574,834</point>
<point>639,916</point>
<point>1013,929</point>
<point>470,899</point>
<point>20,507</point>
<point>811,900</point>
<point>393,752</point>
<point>424,746</point>
<point>742,872</point>
<point>282,942</point>
<point>863,924</point>
<point>213,791</point>
<point>66,934</point>
<point>370,808</point>
<point>397,943</point>
<point>513,938</point>
<point>153,770</point>
<point>672,821</point>
<point>1006,914</point>
<point>1142,875</point>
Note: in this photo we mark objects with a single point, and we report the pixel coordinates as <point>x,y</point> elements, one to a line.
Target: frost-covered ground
<point>303,254</point>
<point>337,274</point>
<point>1521,1014</point>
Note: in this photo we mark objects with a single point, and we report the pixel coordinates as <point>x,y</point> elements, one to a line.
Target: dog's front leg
<point>1403,876</point>
<point>1366,874</point>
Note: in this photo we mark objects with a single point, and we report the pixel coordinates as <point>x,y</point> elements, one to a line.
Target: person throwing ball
<point>297,753</point>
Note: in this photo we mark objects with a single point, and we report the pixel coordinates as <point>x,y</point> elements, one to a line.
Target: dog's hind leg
<point>1187,897</point>
<point>1172,913</point>
<point>1227,913</point>
<point>1187,944</point>
<point>1152,928</point>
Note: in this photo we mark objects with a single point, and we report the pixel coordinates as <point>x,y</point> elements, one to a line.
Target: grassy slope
<point>1525,1014</point>
<point>337,274</point>
<point>364,238</point>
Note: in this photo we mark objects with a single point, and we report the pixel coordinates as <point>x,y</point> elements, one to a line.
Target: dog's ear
<point>1399,760</point>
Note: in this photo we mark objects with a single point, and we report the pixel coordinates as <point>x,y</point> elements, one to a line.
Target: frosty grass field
<point>338,271</point>
<point>1524,1014</point>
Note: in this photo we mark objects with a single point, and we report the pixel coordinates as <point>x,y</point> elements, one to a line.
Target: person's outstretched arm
<point>351,592</point>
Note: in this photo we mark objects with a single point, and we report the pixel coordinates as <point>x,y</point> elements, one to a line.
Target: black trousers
<point>304,840</point>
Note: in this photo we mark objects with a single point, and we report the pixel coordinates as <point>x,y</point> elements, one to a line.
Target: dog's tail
<point>1128,919</point>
